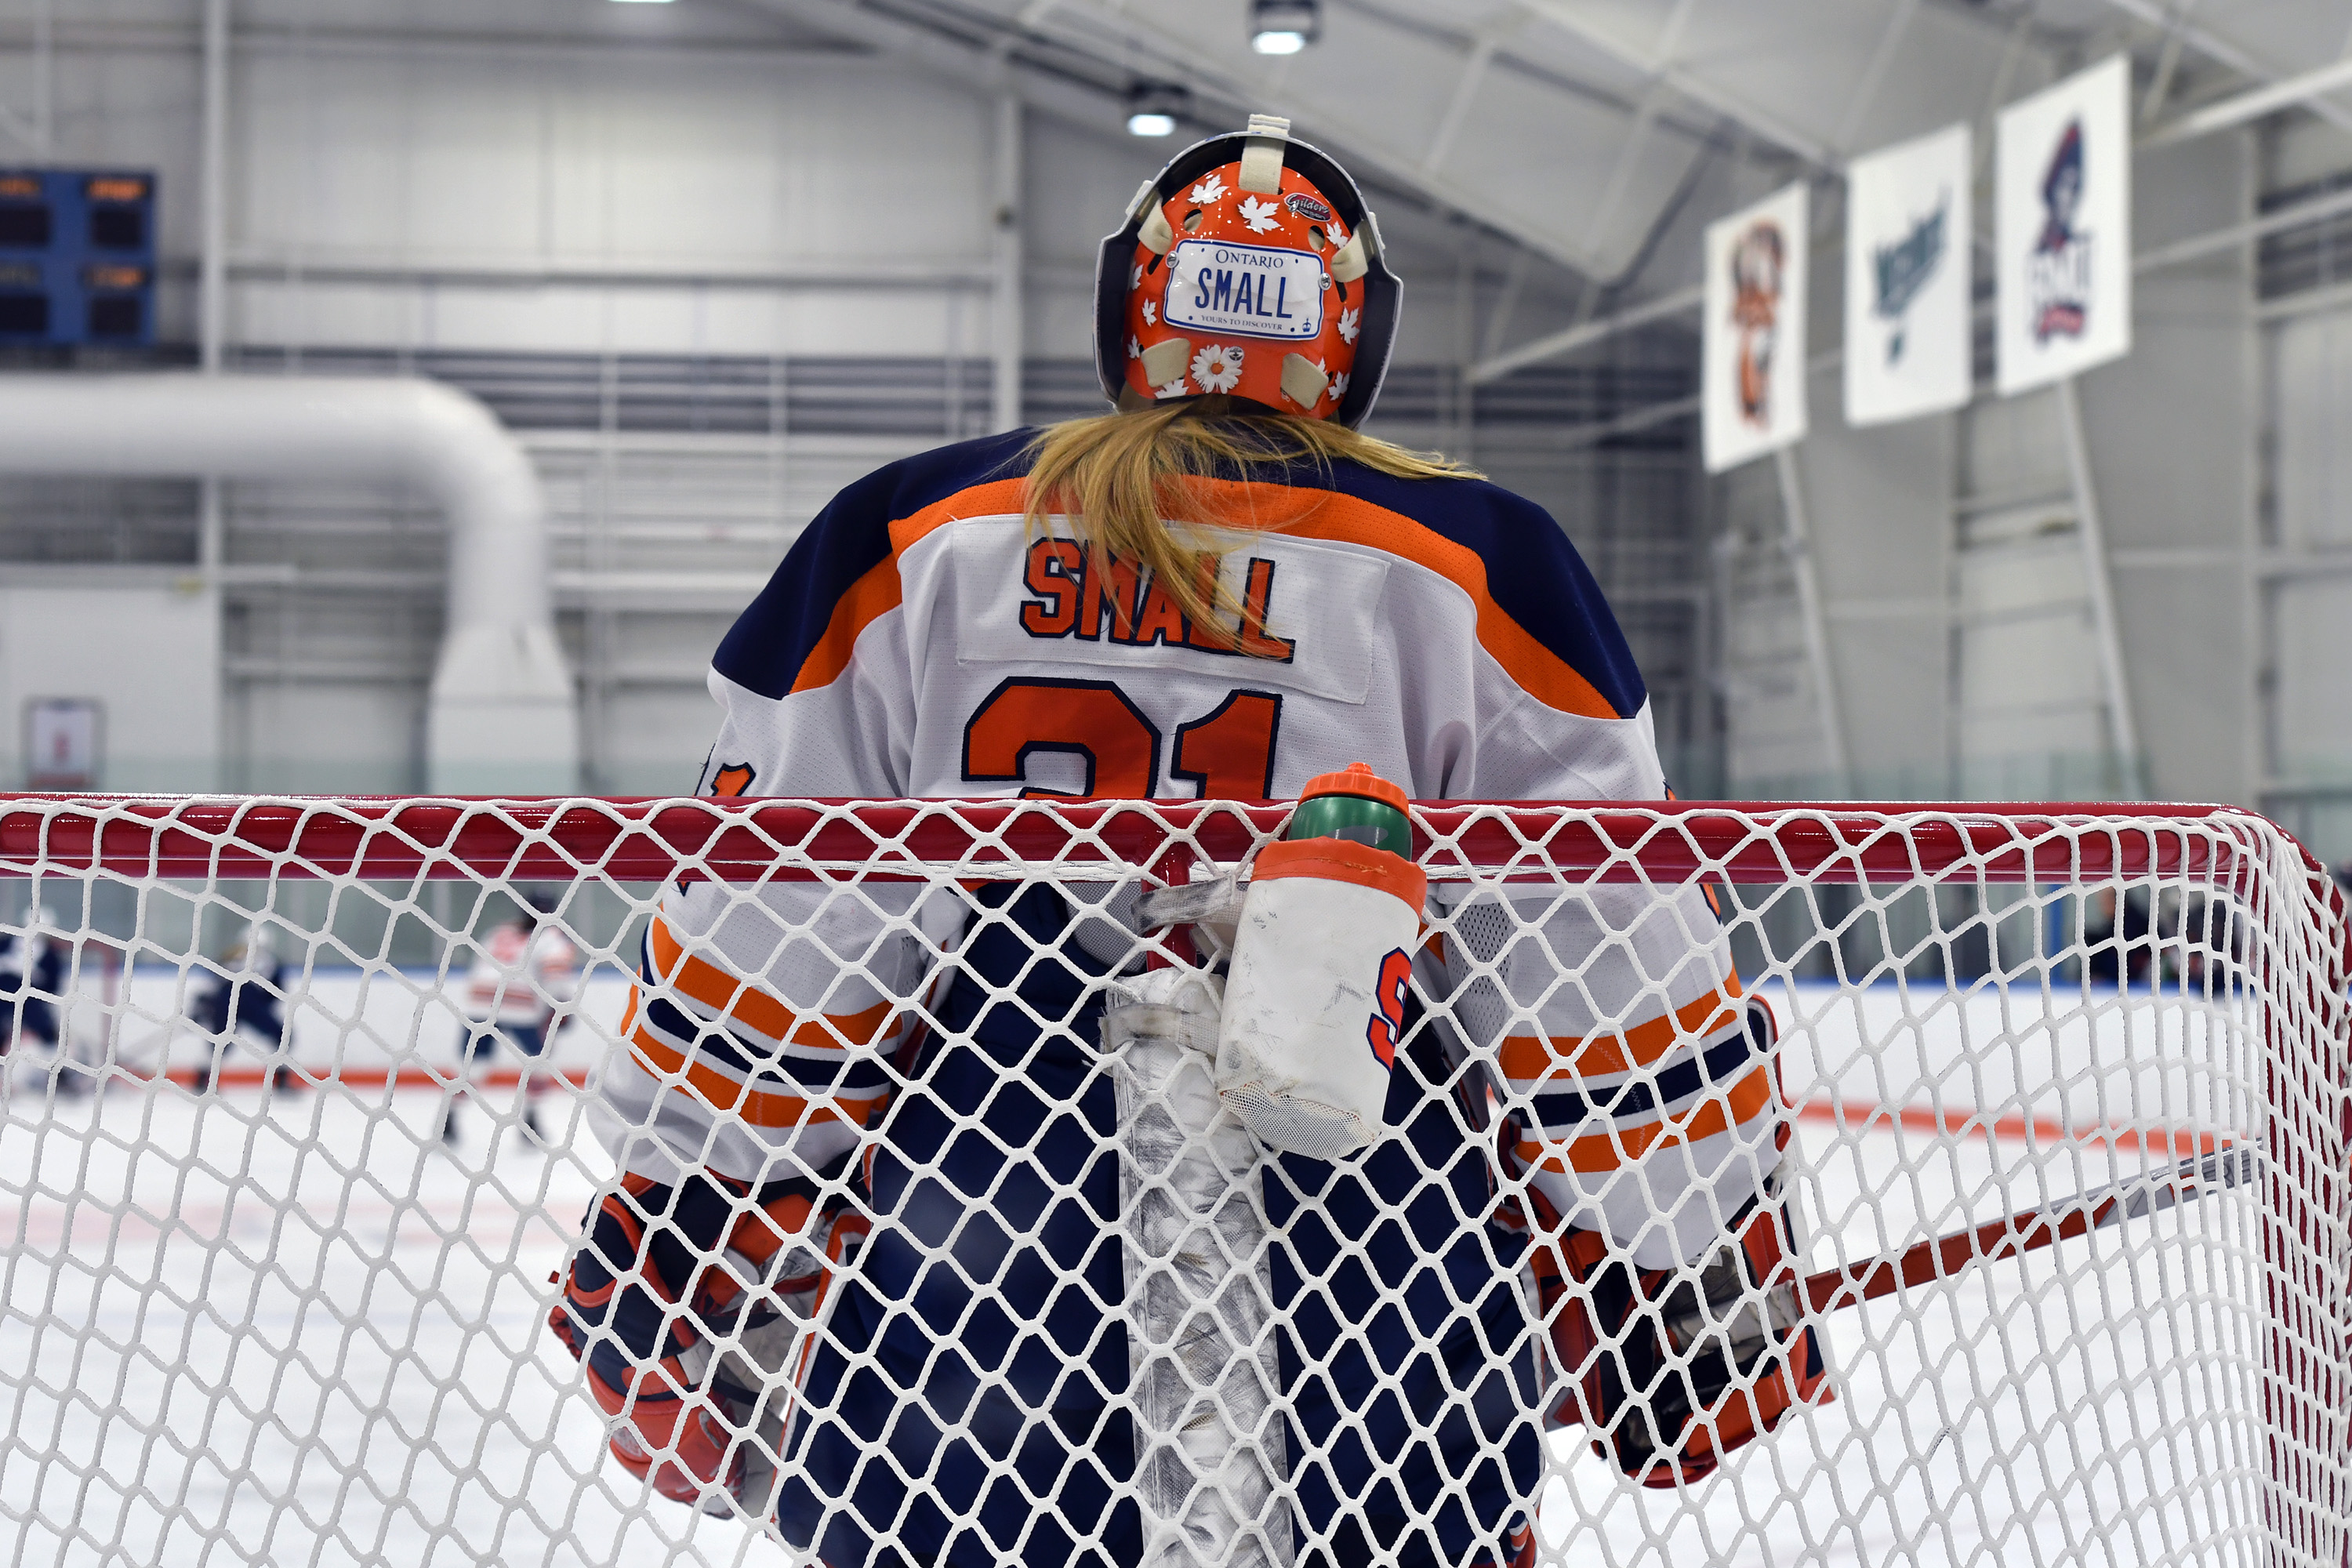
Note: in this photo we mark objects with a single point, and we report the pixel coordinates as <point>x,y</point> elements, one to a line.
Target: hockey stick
<point>1926,1261</point>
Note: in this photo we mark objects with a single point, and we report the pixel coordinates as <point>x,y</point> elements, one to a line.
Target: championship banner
<point>1906,278</point>
<point>1753,359</point>
<point>2063,202</point>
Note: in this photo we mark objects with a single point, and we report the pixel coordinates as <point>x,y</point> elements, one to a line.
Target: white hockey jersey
<point>520,975</point>
<point>919,642</point>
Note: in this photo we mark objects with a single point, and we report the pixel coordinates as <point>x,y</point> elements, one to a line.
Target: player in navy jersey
<point>32,978</point>
<point>1219,590</point>
<point>244,997</point>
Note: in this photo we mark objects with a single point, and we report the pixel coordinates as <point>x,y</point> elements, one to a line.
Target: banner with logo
<point>2061,204</point>
<point>1752,352</point>
<point>1906,278</point>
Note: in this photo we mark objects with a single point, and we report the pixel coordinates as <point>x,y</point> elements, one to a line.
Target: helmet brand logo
<point>1307,207</point>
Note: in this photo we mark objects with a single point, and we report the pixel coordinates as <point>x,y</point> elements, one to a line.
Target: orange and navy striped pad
<point>1617,1033</point>
<point>780,1008</point>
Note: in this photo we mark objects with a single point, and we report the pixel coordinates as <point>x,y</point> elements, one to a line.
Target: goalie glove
<point>687,1442</point>
<point>687,1406</point>
<point>1674,1368</point>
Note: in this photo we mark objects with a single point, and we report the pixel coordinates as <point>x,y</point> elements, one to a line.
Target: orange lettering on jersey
<point>1252,641</point>
<point>1089,720</point>
<point>1230,754</point>
<point>1159,621</point>
<point>1214,637</point>
<point>1054,567</point>
<point>1107,578</point>
<point>732,780</point>
<point>1077,590</point>
<point>1255,642</point>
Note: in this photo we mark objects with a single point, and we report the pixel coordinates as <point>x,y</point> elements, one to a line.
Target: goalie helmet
<point>1249,266</point>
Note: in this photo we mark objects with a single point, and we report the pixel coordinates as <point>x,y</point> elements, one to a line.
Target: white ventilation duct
<point>502,718</point>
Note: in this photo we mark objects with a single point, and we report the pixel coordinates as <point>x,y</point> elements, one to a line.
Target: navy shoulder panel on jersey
<point>1534,574</point>
<point>769,641</point>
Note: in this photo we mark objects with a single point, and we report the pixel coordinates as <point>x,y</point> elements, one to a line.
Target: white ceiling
<point>1579,129</point>
<point>1591,136</point>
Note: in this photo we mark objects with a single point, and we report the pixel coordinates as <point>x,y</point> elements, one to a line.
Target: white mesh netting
<point>2062,1185</point>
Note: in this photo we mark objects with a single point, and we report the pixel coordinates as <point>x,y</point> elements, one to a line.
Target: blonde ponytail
<point>1120,479</point>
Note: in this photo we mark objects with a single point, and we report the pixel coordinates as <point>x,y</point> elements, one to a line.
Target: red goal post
<point>2274,1000</point>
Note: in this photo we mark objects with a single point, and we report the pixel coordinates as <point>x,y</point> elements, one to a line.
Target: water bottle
<point>1314,1002</point>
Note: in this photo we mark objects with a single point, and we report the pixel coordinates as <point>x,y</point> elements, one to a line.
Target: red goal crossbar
<point>652,839</point>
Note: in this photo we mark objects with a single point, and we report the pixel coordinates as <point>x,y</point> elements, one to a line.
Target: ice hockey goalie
<point>871,1126</point>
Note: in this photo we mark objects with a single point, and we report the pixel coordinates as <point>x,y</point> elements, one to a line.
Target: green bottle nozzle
<point>1357,805</point>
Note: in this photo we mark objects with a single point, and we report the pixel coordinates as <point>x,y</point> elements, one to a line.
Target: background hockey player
<point>1019,615</point>
<point>32,978</point>
<point>243,998</point>
<point>519,992</point>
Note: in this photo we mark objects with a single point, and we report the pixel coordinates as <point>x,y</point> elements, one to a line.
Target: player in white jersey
<point>1018,615</point>
<point>519,991</point>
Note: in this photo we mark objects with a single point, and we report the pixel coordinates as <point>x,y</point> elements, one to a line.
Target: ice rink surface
<point>297,1329</point>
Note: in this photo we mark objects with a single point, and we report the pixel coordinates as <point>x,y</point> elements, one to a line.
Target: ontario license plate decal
<point>1216,286</point>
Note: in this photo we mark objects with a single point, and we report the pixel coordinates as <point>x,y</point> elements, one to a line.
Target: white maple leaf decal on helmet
<point>1348,326</point>
<point>1150,313</point>
<point>1175,388</point>
<point>1258,213</point>
<point>1217,368</point>
<point>1134,349</point>
<point>1338,387</point>
<point>1212,189</point>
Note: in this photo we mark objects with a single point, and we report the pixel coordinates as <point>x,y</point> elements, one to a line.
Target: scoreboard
<point>77,257</point>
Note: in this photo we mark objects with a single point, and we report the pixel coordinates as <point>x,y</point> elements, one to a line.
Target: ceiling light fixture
<point>1154,107</point>
<point>1284,27</point>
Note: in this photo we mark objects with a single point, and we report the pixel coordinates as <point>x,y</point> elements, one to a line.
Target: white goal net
<point>2058,1098</point>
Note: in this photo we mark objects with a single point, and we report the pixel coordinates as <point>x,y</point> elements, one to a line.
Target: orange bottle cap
<point>1356,778</point>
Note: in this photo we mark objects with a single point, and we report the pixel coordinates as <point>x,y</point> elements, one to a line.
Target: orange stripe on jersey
<point>759,1107</point>
<point>738,1001</point>
<point>1526,1058</point>
<point>879,591</point>
<point>1326,514</point>
<point>1597,1153</point>
<point>998,498</point>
